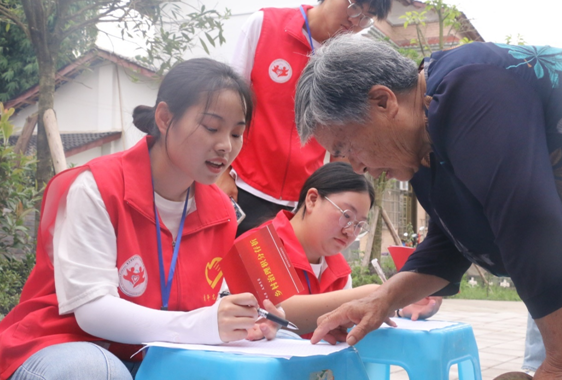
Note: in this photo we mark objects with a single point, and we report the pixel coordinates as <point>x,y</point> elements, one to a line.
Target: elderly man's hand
<point>423,309</point>
<point>367,313</point>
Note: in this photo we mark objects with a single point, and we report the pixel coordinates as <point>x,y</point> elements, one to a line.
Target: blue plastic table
<point>179,364</point>
<point>425,355</point>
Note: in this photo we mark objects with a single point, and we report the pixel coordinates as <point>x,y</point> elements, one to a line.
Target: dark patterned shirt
<point>495,121</point>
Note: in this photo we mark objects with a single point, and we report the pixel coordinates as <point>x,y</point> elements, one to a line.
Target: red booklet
<point>258,263</point>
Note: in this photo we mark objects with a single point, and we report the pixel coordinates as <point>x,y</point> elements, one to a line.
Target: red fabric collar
<point>296,24</point>
<point>282,223</point>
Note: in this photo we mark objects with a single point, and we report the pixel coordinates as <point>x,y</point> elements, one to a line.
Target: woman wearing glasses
<point>272,50</point>
<point>332,211</point>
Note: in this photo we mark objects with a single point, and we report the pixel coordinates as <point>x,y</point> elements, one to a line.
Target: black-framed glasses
<point>348,219</point>
<point>354,10</point>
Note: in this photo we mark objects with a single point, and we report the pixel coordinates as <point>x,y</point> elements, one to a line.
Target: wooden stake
<point>390,226</point>
<point>27,131</point>
<point>371,238</point>
<point>55,142</point>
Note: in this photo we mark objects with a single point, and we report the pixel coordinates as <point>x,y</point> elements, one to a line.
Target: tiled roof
<point>73,142</point>
<point>68,72</point>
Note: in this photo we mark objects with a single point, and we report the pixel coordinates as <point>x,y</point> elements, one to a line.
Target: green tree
<point>18,63</point>
<point>50,24</point>
<point>448,21</point>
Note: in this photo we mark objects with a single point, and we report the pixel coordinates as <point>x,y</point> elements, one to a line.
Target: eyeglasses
<point>349,219</point>
<point>354,10</point>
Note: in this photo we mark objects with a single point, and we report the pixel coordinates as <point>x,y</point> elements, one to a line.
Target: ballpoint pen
<point>283,322</point>
<point>265,314</point>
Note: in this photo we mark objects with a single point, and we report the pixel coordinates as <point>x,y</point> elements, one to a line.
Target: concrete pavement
<point>499,328</point>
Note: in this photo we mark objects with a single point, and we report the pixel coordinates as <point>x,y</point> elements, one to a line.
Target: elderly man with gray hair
<point>477,130</point>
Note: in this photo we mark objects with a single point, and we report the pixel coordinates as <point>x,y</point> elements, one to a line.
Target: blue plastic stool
<point>425,355</point>
<point>178,364</point>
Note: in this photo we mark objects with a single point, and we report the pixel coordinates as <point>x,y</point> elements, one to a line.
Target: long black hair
<point>336,177</point>
<point>189,83</point>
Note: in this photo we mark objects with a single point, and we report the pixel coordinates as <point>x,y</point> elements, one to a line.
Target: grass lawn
<point>478,291</point>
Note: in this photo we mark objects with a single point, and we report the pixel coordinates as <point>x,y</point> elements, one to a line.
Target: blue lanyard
<point>307,281</point>
<point>166,286</point>
<point>308,29</point>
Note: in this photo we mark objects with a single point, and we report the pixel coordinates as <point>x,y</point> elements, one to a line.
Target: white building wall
<point>100,99</point>
<point>83,157</point>
<point>135,90</point>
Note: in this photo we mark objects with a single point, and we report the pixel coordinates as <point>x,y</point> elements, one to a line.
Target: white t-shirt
<point>86,275</point>
<point>321,267</point>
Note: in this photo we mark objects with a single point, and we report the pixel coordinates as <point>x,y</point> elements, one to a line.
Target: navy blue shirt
<point>495,121</point>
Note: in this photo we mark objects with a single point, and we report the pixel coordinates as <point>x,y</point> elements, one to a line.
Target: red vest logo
<point>213,272</point>
<point>132,277</point>
<point>280,71</point>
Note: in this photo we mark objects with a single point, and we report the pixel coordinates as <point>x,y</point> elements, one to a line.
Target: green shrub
<point>13,273</point>
<point>479,291</point>
<point>18,196</point>
<point>364,276</point>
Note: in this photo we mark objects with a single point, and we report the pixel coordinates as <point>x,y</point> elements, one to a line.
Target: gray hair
<point>334,87</point>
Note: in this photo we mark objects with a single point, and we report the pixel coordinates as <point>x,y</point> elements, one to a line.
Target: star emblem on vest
<point>132,277</point>
<point>280,71</point>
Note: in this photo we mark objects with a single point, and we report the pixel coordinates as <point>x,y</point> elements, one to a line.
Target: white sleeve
<point>349,283</point>
<point>119,320</point>
<point>84,247</point>
<point>245,51</point>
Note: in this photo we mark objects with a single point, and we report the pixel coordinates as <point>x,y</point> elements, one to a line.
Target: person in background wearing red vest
<point>332,212</point>
<point>272,50</point>
<point>129,244</point>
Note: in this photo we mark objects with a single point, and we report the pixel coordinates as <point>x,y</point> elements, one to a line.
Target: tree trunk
<point>376,228</point>
<point>46,101</point>
<point>46,44</point>
<point>377,242</point>
<point>441,22</point>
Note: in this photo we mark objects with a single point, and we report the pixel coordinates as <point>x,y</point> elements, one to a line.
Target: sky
<point>537,21</point>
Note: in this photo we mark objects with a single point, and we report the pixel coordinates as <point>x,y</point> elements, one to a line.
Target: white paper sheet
<point>423,325</point>
<point>278,348</point>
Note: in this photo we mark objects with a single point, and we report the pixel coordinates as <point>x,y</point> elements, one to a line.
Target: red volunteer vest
<point>272,159</point>
<point>333,278</point>
<point>124,181</point>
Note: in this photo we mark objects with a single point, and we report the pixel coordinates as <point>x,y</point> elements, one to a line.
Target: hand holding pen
<point>269,328</point>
